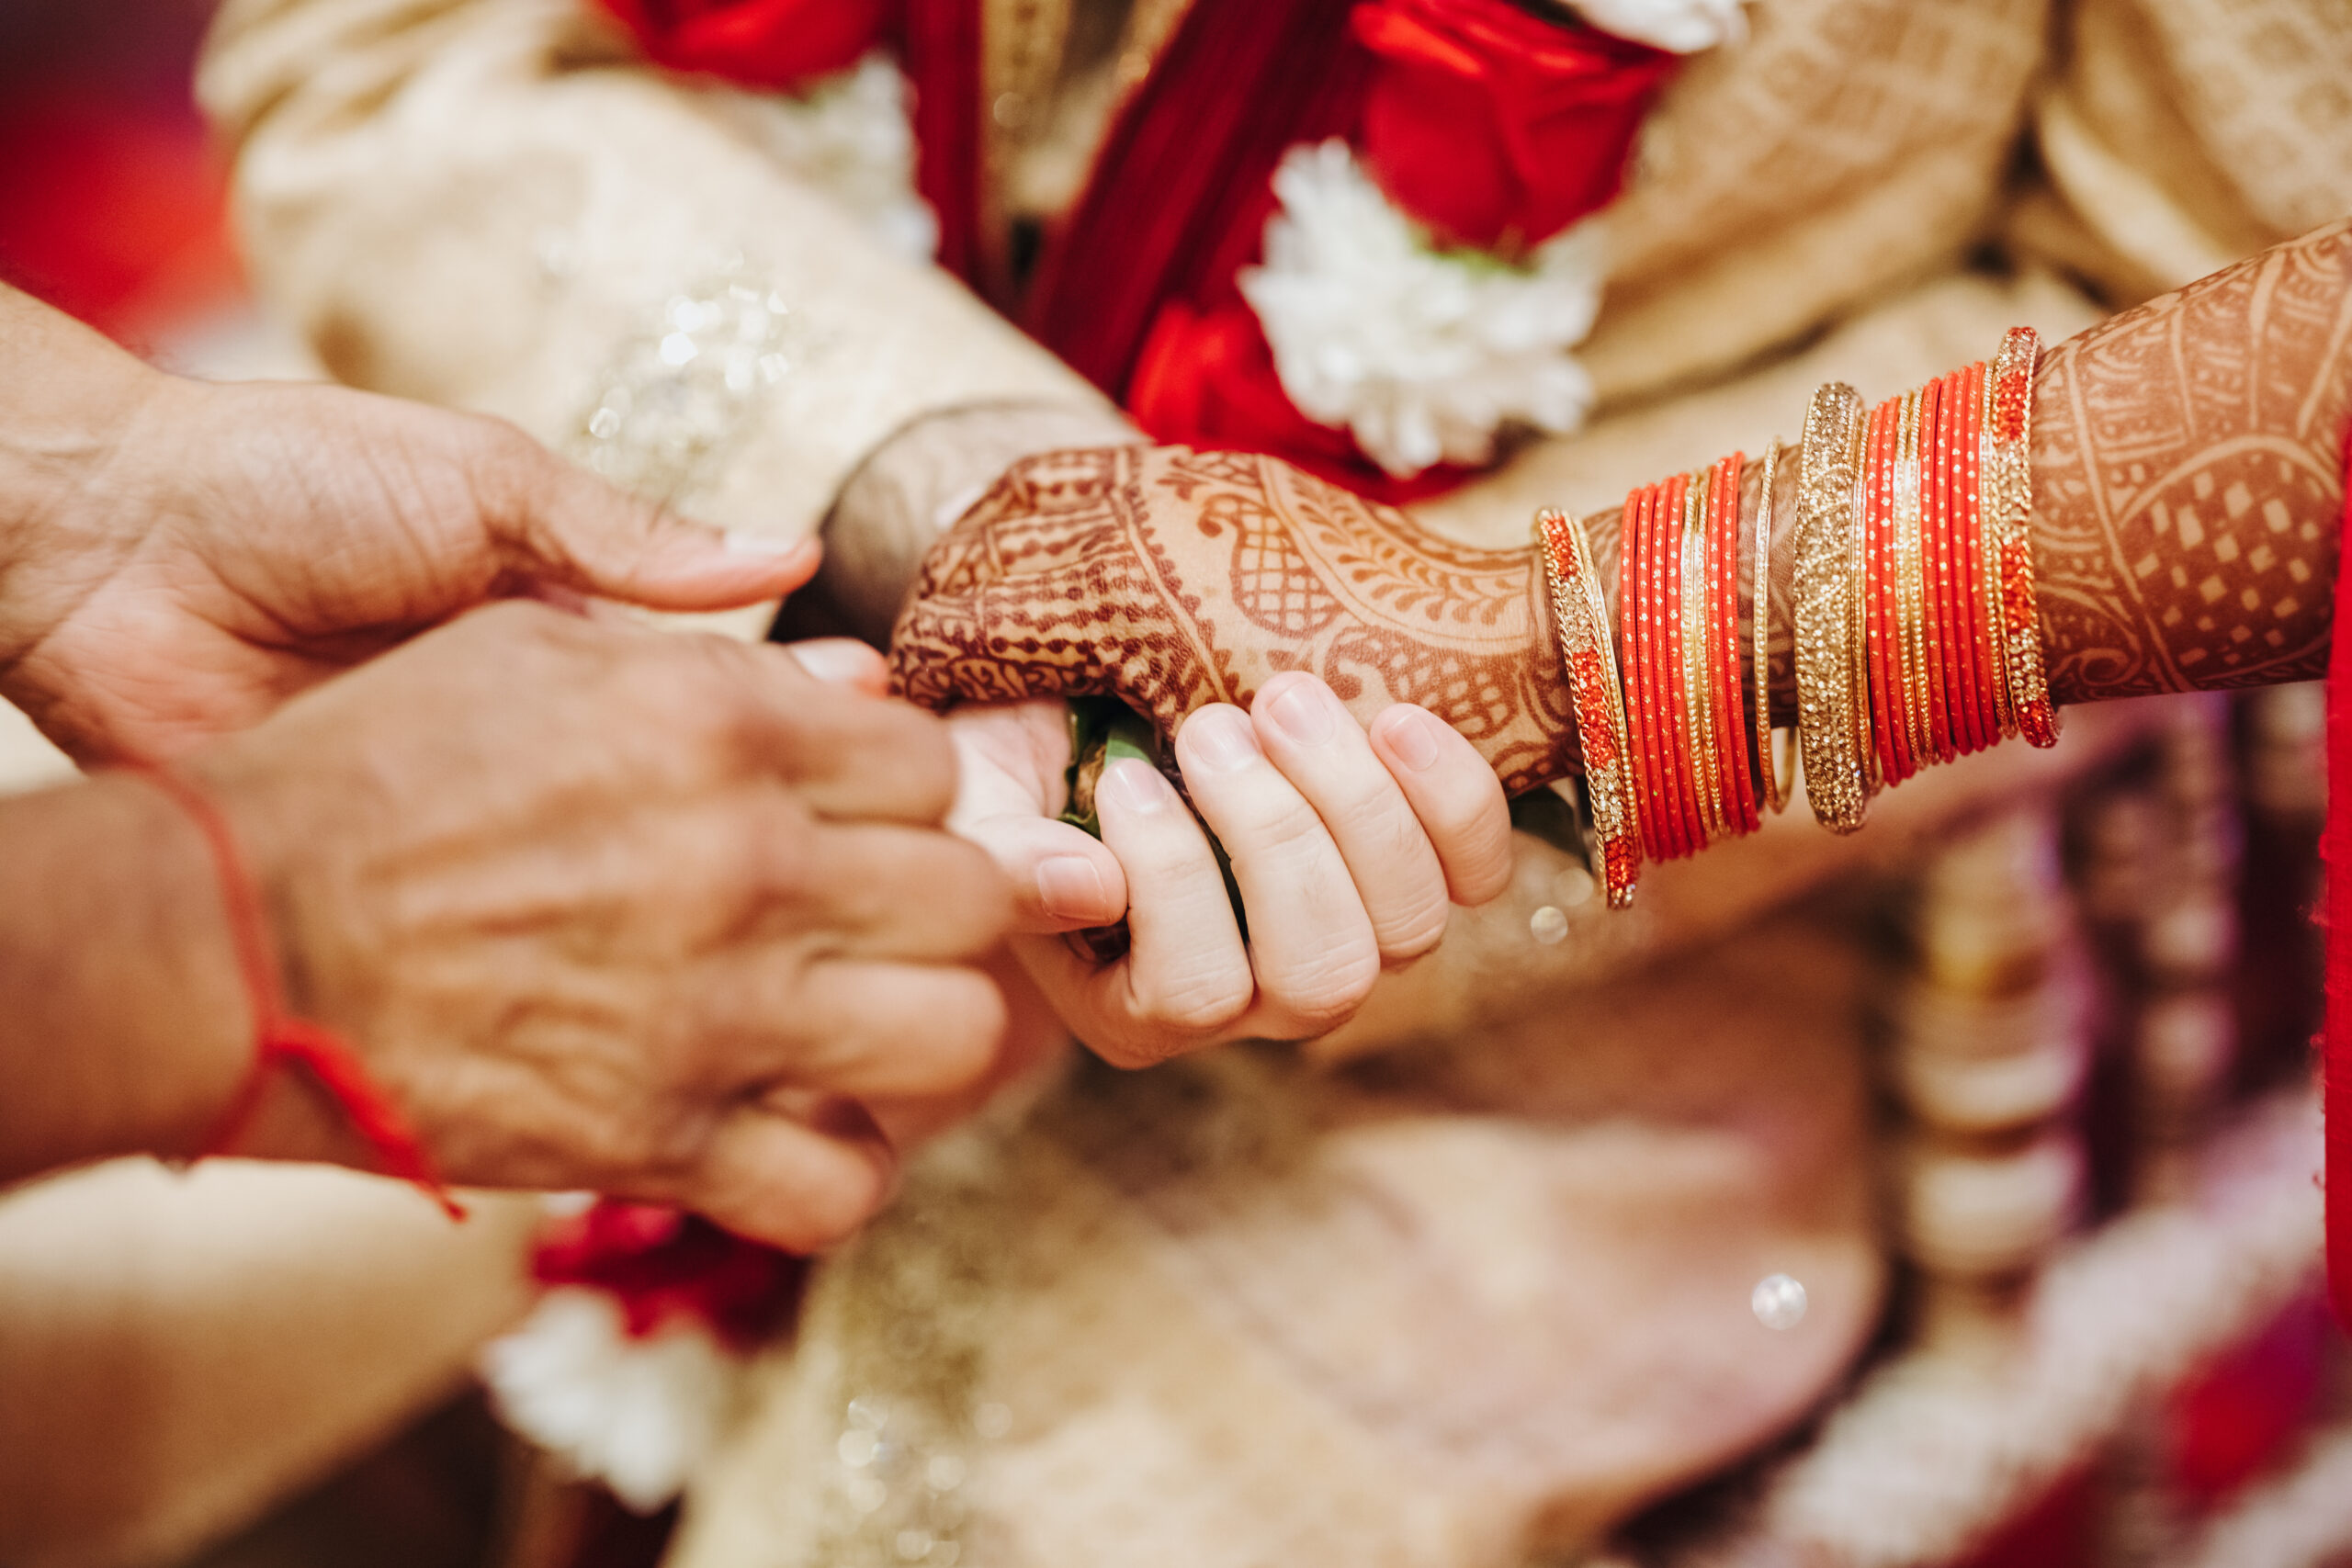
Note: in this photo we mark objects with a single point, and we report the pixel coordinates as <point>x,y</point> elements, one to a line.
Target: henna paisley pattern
<point>1172,578</point>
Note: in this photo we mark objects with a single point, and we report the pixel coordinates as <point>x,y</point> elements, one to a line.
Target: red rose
<point>1494,127</point>
<point>778,44</point>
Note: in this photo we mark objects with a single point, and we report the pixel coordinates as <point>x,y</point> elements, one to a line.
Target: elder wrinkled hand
<point>195,553</point>
<point>1348,844</point>
<point>1173,580</point>
<point>602,906</point>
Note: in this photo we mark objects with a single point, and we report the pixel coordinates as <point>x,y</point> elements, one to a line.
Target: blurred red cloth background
<point>111,196</point>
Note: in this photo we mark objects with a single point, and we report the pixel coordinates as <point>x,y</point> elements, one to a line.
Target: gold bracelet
<point>1910,582</point>
<point>1832,714</point>
<point>1691,644</point>
<point>1581,616</point>
<point>2012,431</point>
<point>1760,621</point>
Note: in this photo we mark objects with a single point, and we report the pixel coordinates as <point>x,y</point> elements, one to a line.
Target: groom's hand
<point>178,557</point>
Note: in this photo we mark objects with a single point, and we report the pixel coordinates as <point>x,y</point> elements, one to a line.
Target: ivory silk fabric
<point>1475,1278</point>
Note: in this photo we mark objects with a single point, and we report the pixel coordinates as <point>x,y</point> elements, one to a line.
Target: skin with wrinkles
<point>2188,471</point>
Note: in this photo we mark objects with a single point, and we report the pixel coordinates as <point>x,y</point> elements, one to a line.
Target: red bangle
<point>1692,833</point>
<point>1632,613</point>
<point>1953,619</point>
<point>278,1037</point>
<point>1877,577</point>
<point>1985,581</point>
<point>1960,551</point>
<point>1731,712</point>
<point>1935,674</point>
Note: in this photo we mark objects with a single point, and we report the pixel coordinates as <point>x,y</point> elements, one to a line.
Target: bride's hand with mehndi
<point>1348,843</point>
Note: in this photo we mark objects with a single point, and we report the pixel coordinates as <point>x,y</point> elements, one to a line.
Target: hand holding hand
<point>604,907</point>
<point>1347,843</point>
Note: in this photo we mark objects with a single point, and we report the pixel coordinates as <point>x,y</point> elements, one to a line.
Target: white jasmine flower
<point>1681,27</point>
<point>638,1415</point>
<point>851,135</point>
<point>1423,356</point>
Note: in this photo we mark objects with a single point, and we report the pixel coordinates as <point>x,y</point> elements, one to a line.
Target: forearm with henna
<point>2187,463</point>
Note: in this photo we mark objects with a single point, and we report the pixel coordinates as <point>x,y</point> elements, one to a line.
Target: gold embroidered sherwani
<point>1471,1279</point>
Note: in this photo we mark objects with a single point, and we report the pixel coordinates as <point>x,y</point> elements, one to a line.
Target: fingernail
<point>1069,888</point>
<point>1137,787</point>
<point>1414,739</point>
<point>745,542</point>
<point>1222,737</point>
<point>837,660</point>
<point>1304,713</point>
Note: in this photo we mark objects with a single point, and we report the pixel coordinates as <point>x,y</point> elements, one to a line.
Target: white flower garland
<point>1681,27</point>
<point>638,1415</point>
<point>1423,356</point>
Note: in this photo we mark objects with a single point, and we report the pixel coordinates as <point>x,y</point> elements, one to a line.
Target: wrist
<point>68,440</point>
<point>913,486</point>
<point>123,1026</point>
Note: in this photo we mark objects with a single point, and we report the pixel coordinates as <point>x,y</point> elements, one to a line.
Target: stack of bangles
<point>1918,638</point>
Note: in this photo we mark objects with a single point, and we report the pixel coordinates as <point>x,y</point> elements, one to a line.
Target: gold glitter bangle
<point>2012,431</point>
<point>1910,584</point>
<point>1830,727</point>
<point>1760,621</point>
<point>1581,616</point>
<point>1698,672</point>
<point>1981,469</point>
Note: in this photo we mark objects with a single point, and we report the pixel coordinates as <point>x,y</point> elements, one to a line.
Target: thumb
<point>552,522</point>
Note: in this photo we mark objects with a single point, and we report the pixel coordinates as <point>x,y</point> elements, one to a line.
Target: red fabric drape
<point>941,55</point>
<point>2335,853</point>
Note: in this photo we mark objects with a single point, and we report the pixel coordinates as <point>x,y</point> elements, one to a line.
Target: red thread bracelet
<point>280,1037</point>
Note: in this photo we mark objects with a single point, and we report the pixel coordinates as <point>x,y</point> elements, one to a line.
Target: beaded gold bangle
<point>1829,730</point>
<point>1911,599</point>
<point>1691,647</point>
<point>2011,427</point>
<point>1760,621</point>
<point>1581,615</point>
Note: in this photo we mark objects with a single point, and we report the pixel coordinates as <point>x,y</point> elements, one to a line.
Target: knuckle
<point>1197,1001</point>
<point>1411,936</point>
<point>1325,992</point>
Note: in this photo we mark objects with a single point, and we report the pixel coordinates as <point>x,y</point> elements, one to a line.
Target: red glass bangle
<point>1984,584</point>
<point>1934,671</point>
<point>279,1038</point>
<point>1958,528</point>
<point>1951,629</point>
<point>1640,680</point>
<point>1732,728</point>
<point>1682,803</point>
<point>1878,578</point>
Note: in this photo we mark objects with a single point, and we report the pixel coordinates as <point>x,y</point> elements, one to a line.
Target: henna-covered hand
<point>1174,578</point>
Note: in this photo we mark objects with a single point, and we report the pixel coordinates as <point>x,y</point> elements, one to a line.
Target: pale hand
<point>1348,844</point>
